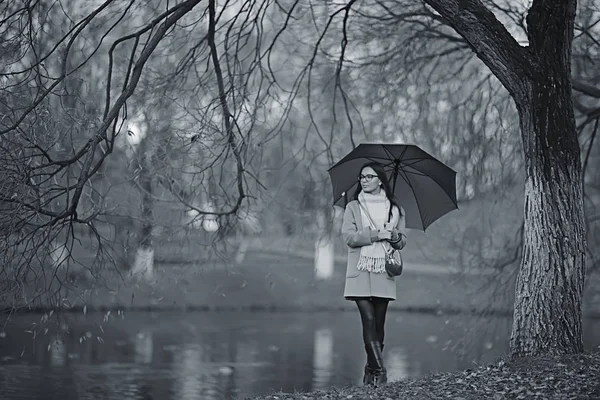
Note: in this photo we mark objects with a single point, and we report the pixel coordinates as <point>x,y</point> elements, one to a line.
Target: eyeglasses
<point>367,177</point>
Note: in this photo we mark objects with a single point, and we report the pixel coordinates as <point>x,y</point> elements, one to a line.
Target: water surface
<point>184,356</point>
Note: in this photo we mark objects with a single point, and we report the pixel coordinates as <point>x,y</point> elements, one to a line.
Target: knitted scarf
<point>372,257</point>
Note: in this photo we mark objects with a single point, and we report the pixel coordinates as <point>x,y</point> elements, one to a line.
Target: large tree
<point>548,304</point>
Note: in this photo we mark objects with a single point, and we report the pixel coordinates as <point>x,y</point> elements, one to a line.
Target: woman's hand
<point>384,234</point>
<point>395,233</point>
<point>397,236</point>
<point>392,231</point>
<point>387,233</point>
<point>380,235</point>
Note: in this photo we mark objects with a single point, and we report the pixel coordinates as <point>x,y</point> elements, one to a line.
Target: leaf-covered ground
<point>548,377</point>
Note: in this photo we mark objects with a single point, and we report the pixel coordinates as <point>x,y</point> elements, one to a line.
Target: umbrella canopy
<point>423,185</point>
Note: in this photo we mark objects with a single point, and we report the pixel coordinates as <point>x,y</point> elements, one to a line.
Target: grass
<point>266,281</point>
<point>543,377</point>
<point>272,278</point>
<point>278,271</point>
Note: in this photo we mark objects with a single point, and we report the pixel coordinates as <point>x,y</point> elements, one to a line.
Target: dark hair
<point>378,168</point>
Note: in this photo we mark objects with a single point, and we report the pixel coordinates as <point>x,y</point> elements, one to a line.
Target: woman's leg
<point>374,370</point>
<point>380,307</point>
<point>367,316</point>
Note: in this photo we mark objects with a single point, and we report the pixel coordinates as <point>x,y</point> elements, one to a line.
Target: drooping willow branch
<point>227,116</point>
<point>88,169</point>
<point>77,29</point>
<point>111,112</point>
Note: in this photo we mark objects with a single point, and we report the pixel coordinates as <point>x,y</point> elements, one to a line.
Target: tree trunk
<point>144,258</point>
<point>324,262</point>
<point>548,302</point>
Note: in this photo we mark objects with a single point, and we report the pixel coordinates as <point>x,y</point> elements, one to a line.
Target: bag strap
<point>367,214</point>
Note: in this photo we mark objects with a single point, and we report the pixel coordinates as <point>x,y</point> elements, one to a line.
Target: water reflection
<point>188,371</point>
<point>228,355</point>
<point>58,352</point>
<point>143,347</point>
<point>397,364</point>
<point>322,358</point>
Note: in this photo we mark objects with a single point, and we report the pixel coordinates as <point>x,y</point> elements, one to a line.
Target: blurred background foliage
<point>118,136</point>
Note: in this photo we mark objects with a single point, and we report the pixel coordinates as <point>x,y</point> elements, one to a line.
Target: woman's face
<point>369,180</point>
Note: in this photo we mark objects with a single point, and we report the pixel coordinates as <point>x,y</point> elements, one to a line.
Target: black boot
<point>375,362</point>
<point>368,377</point>
<point>381,374</point>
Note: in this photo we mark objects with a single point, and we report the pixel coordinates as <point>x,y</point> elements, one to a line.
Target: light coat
<point>365,283</point>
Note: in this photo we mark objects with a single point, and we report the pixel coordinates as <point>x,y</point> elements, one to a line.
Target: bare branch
<point>227,117</point>
<point>489,39</point>
<point>586,89</point>
<point>88,170</point>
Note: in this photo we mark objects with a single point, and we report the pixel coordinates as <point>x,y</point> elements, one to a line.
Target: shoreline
<point>260,308</point>
<point>254,308</point>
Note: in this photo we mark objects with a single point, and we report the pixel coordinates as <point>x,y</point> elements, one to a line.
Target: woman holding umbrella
<point>372,220</point>
<point>385,176</point>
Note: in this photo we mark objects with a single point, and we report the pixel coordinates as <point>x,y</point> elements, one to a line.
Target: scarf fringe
<point>371,264</point>
<point>372,256</point>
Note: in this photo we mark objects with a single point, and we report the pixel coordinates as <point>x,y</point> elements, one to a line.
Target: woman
<point>373,219</point>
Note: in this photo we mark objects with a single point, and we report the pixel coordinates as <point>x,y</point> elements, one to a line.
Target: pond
<point>229,355</point>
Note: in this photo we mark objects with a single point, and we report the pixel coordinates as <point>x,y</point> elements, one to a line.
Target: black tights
<point>372,314</point>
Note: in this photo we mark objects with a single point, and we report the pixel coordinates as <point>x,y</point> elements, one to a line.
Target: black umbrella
<point>424,186</point>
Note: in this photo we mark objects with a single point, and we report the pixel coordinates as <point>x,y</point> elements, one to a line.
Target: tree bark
<point>548,303</point>
<point>549,291</point>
